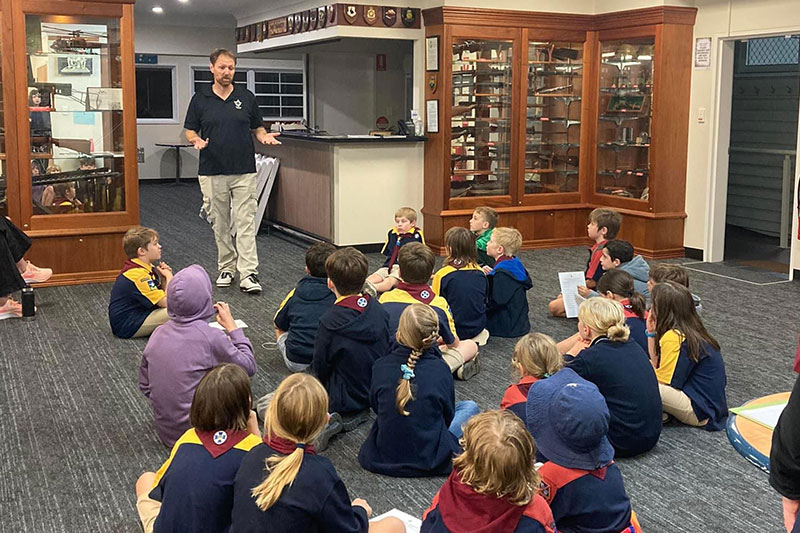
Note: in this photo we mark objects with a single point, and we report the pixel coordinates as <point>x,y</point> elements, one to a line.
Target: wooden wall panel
<point>79,258</point>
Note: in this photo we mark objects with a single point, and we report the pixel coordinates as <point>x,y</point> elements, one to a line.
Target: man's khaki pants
<point>236,192</point>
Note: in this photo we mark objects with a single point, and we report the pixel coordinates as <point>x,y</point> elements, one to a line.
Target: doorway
<point>762,154</point>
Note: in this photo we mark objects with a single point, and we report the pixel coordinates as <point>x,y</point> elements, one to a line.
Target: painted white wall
<point>183,48</point>
<point>706,180</point>
<point>347,94</point>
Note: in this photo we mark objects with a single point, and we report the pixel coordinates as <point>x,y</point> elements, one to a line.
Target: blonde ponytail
<point>604,317</point>
<point>418,330</point>
<point>282,472</point>
<point>298,413</point>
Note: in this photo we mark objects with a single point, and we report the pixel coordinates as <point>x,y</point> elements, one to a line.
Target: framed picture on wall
<point>103,99</point>
<point>432,53</point>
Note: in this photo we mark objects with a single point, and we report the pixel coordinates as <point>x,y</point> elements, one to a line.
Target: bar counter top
<point>329,138</point>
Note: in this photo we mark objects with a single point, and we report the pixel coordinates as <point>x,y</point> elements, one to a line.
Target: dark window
<point>154,93</point>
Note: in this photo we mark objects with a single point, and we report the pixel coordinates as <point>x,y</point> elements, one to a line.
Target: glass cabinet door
<point>625,116</point>
<point>3,155</point>
<point>481,118</point>
<point>75,114</point>
<point>552,119</point>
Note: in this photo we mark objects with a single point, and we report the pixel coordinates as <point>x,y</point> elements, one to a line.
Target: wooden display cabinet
<point>547,116</point>
<point>69,168</point>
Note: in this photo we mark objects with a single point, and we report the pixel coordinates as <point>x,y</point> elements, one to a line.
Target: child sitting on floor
<point>15,271</point>
<point>405,231</point>
<point>507,309</point>
<point>283,486</point>
<point>603,226</point>
<point>193,489</point>
<point>416,265</point>
<point>689,366</point>
<point>417,428</point>
<point>138,298</point>
<point>618,254</point>
<point>621,370</point>
<point>617,285</point>
<point>535,357</point>
<point>297,318</point>
<point>464,285</point>
<point>483,221</point>
<point>568,419</point>
<point>494,485</point>
<point>676,273</point>
<point>180,352</point>
<point>352,335</point>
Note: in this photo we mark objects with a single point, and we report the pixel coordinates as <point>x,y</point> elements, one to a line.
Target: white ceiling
<point>209,13</point>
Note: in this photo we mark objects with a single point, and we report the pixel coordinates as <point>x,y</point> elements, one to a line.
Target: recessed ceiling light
<point>183,1</point>
<point>158,9</point>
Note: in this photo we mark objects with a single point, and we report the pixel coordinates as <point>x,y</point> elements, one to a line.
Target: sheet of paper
<point>570,281</point>
<point>766,415</point>
<point>239,323</point>
<point>412,524</point>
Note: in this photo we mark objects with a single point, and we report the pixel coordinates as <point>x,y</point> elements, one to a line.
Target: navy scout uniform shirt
<point>227,124</point>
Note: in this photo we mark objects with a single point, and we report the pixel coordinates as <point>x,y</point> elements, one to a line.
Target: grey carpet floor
<point>76,432</point>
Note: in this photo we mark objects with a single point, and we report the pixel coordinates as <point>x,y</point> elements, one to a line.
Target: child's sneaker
<point>333,427</point>
<point>352,421</point>
<point>469,369</point>
<point>10,309</point>
<point>34,274</point>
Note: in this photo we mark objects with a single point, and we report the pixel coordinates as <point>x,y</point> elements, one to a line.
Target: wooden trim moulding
<point>555,207</point>
<point>80,278</point>
<point>539,20</point>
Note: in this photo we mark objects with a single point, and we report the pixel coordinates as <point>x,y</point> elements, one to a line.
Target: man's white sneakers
<point>250,284</point>
<point>225,279</point>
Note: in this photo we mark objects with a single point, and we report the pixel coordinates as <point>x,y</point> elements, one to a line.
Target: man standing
<point>220,122</point>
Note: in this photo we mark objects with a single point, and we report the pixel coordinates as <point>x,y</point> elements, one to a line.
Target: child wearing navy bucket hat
<point>568,418</point>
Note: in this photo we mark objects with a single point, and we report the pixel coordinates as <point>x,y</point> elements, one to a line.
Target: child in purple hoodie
<point>181,351</point>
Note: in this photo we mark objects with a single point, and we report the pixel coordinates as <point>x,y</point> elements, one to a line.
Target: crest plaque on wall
<point>370,15</point>
<point>331,13</point>
<point>350,13</point>
<point>408,16</point>
<point>389,15</point>
<point>322,17</point>
<point>312,19</point>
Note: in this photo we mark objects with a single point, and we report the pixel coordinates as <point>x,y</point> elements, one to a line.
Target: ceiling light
<point>183,1</point>
<point>158,9</point>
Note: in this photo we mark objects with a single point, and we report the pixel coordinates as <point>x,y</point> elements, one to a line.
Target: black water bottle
<point>28,303</point>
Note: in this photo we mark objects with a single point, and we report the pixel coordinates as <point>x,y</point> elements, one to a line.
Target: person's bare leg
<point>389,524</point>
<point>386,284</point>
<point>557,307</point>
<point>468,349</point>
<point>567,344</point>
<point>22,265</point>
<point>145,483</point>
<point>375,279</point>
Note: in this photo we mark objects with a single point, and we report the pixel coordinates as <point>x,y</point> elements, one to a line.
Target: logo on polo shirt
<point>220,437</point>
<point>238,104</point>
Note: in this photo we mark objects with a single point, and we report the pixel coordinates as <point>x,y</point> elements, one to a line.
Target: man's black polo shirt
<point>227,125</point>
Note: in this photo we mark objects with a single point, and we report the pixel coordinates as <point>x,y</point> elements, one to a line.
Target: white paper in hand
<point>239,324</point>
<point>570,281</point>
<point>413,524</point>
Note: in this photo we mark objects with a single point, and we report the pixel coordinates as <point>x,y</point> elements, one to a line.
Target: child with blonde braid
<point>535,357</point>
<point>419,423</point>
<point>301,491</point>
